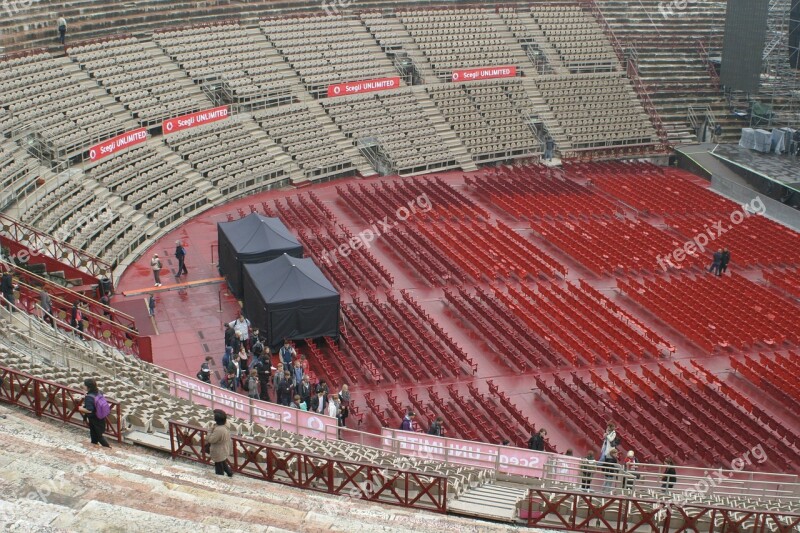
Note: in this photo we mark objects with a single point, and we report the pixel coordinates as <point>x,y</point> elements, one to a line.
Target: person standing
<point>241,328</point>
<point>95,409</point>
<point>670,476</point>
<point>76,317</point>
<point>549,148</point>
<point>180,255</point>
<point>629,473</point>
<point>287,353</point>
<point>297,373</point>
<point>285,391</point>
<point>253,385</point>
<point>610,466</point>
<point>436,427</point>
<point>610,440</point>
<point>46,304</point>
<point>305,390</point>
<point>587,471</point>
<point>262,368</point>
<point>716,262</point>
<point>62,30</point>
<point>408,421</point>
<point>344,403</point>
<point>7,288</point>
<point>723,264</point>
<point>536,441</point>
<point>204,374</point>
<point>155,264</point>
<point>319,403</point>
<point>220,444</point>
<point>151,305</point>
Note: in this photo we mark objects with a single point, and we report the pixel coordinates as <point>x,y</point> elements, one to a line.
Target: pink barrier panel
<point>365,86</point>
<point>193,120</point>
<point>504,459</point>
<point>264,413</point>
<point>115,144</point>
<point>485,73</point>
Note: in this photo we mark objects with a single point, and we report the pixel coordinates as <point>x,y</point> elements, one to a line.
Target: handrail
<point>62,252</point>
<point>53,400</point>
<point>712,72</point>
<point>574,510</point>
<point>277,464</point>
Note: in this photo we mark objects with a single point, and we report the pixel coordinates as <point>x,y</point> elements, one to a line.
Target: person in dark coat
<point>76,317</point>
<point>7,288</point>
<point>436,427</point>
<point>670,475</point>
<point>97,426</point>
<point>716,262</point>
<point>587,471</point>
<point>611,469</point>
<point>723,265</point>
<point>180,255</point>
<point>319,403</point>
<point>229,335</point>
<point>263,369</point>
<point>285,391</point>
<point>536,441</point>
<point>305,390</point>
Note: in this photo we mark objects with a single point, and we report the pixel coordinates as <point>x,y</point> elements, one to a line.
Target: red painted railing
<point>712,72</point>
<point>604,513</point>
<point>303,470</point>
<point>59,256</point>
<point>52,400</point>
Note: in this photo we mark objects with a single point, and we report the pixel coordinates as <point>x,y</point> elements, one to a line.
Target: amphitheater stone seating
<point>297,130</point>
<point>396,121</point>
<point>139,79</point>
<point>597,110</point>
<point>44,97</point>
<point>250,73</point>
<point>18,172</point>
<point>577,37</point>
<point>234,155</point>
<point>489,117</point>
<point>327,49</point>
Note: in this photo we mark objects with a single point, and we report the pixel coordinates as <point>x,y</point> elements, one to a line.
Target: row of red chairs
<point>492,331</point>
<point>377,411</point>
<point>755,241</point>
<point>464,429</point>
<point>659,191</point>
<point>357,332</point>
<point>512,431</point>
<point>534,192</point>
<point>442,199</point>
<point>431,342</point>
<point>767,377</point>
<point>441,334</point>
<point>476,416</point>
<point>787,281</point>
<point>524,422</point>
<point>316,359</point>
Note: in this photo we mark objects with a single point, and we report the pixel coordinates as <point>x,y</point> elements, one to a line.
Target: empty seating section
<point>786,281</point>
<point>612,245</point>
<point>295,129</point>
<point>327,49</point>
<point>774,375</point>
<point>454,39</point>
<point>650,189</point>
<point>396,121</point>
<point>597,110</point>
<point>489,118</point>
<point>537,192</point>
<point>136,79</point>
<point>670,405</point>
<point>709,311</point>
<point>228,155</point>
<point>757,241</point>
<point>40,95</point>
<point>56,211</point>
<point>576,35</point>
<point>18,172</point>
<point>246,68</point>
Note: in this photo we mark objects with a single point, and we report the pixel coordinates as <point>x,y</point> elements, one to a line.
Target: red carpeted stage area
<point>517,298</point>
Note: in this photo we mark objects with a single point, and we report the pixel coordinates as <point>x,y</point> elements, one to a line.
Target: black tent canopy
<point>290,298</point>
<point>252,239</point>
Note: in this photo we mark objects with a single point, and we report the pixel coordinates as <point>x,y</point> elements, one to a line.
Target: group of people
<point>609,464</point>
<point>247,368</point>
<point>719,261</point>
<point>156,266</point>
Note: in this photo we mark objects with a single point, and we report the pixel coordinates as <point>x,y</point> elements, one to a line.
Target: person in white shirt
<point>62,30</point>
<point>242,326</point>
<point>155,264</point>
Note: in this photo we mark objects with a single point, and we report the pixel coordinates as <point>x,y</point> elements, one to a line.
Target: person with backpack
<point>436,428</point>
<point>408,421</point>
<point>95,409</point>
<point>204,374</point>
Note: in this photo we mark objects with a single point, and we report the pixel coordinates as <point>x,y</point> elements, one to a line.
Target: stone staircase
<point>334,134</point>
<point>563,143</point>
<point>496,501</point>
<point>52,479</point>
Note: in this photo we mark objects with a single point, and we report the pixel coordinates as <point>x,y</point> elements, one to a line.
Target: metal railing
<point>370,482</point>
<point>712,72</point>
<point>605,513</point>
<point>52,400</point>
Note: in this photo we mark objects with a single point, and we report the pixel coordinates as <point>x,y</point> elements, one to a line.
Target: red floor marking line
<point>187,285</point>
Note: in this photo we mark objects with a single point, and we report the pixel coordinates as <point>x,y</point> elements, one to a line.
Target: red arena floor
<point>521,297</point>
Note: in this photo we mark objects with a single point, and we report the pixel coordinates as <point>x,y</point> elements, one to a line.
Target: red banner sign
<point>193,120</point>
<point>115,144</point>
<point>364,86</point>
<point>485,73</point>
